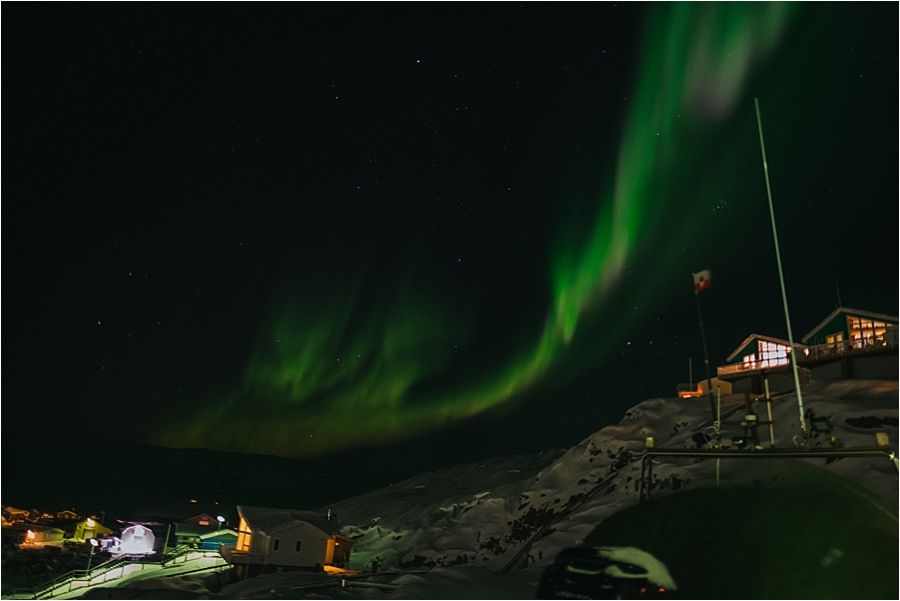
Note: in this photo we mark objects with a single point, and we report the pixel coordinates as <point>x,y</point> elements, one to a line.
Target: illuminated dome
<point>137,540</point>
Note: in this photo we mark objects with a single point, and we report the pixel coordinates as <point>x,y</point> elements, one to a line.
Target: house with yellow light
<point>760,362</point>
<point>852,344</point>
<point>90,528</point>
<point>278,540</point>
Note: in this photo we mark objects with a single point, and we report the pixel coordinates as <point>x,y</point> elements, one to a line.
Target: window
<point>297,546</point>
<point>771,354</point>
<point>275,543</point>
<point>867,332</point>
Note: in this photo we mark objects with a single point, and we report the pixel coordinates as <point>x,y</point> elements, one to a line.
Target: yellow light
<point>31,535</point>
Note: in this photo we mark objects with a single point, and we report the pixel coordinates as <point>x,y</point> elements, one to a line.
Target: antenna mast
<point>787,316</point>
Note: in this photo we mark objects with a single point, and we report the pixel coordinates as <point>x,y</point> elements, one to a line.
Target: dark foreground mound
<point>811,541</point>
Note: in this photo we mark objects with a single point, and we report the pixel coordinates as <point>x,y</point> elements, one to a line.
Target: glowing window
<point>243,541</point>
<point>772,354</point>
<point>867,332</point>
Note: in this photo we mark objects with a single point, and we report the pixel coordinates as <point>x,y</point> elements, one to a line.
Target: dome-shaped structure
<point>137,540</point>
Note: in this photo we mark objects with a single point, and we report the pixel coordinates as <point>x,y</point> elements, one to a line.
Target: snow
<point>449,533</point>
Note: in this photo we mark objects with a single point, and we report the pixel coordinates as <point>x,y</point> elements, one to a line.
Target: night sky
<point>444,230</point>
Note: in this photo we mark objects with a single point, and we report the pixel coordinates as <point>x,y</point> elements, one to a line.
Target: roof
<point>217,534</point>
<point>203,516</point>
<point>855,313</point>
<point>271,520</point>
<point>749,338</point>
<point>185,528</point>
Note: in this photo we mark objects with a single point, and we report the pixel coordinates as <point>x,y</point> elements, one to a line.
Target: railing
<point>844,348</point>
<point>648,458</point>
<point>737,368</point>
<point>113,569</point>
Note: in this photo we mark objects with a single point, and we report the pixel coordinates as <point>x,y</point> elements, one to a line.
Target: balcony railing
<point>844,348</point>
<point>738,368</point>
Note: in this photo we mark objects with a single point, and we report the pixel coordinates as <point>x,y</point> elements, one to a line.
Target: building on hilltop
<point>277,540</point>
<point>757,359</point>
<point>852,344</point>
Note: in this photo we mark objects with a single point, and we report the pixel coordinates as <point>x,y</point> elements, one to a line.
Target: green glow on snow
<point>343,373</point>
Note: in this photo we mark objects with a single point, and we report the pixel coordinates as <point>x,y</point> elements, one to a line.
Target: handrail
<point>49,588</point>
<point>844,348</point>
<point>649,454</point>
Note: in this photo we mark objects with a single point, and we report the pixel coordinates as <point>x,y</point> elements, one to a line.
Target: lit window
<point>771,354</point>
<point>867,332</point>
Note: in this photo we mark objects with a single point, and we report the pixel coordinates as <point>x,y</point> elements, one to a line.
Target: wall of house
<point>747,349</point>
<point>884,367</point>
<point>313,548</point>
<point>828,372</point>
<point>778,382</point>
<point>876,368</point>
<point>837,324</point>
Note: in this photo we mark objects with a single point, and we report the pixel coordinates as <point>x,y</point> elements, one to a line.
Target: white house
<point>275,540</point>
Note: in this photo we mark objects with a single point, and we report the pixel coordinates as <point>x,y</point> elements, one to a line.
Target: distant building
<point>207,538</point>
<point>852,344</point>
<point>203,519</point>
<point>135,540</point>
<point>67,514</point>
<point>687,391</point>
<point>39,535</point>
<point>275,540</point>
<point>15,515</point>
<point>760,359</point>
<point>90,528</point>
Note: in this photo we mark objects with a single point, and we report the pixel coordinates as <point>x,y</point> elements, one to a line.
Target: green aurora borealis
<point>339,369</point>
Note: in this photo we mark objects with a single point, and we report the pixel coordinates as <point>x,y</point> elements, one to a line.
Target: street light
<point>221,521</point>
<point>90,557</point>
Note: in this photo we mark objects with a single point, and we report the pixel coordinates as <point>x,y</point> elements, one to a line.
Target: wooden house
<point>852,344</point>
<point>759,360</point>
<point>276,540</point>
<point>40,535</point>
<point>204,519</point>
<point>90,528</point>
<point>15,515</point>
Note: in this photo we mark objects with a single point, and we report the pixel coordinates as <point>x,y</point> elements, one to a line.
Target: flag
<point>702,280</point>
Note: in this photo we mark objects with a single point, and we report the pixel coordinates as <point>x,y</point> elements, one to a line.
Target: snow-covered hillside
<point>470,521</point>
<point>481,513</point>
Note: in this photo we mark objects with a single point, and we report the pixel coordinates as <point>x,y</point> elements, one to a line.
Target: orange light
<point>193,500</point>
<point>31,535</point>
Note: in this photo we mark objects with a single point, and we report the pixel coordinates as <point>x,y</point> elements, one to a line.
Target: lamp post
<point>221,520</point>
<point>90,557</point>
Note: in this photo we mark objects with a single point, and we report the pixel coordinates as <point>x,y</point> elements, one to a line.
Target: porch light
<point>90,523</point>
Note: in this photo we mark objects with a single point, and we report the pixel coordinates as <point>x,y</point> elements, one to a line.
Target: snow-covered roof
<point>271,520</point>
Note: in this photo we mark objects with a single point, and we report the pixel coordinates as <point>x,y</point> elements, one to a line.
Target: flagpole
<point>712,403</point>
<point>787,316</point>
